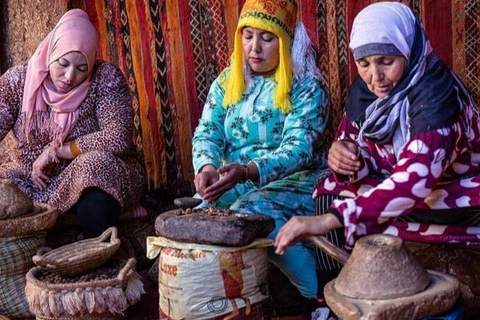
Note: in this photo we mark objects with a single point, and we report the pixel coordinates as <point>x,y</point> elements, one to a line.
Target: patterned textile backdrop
<point>172,50</point>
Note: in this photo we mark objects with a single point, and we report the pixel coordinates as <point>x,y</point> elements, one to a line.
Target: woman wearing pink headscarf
<point>72,119</point>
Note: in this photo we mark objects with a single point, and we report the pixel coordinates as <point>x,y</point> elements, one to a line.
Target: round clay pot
<point>380,267</point>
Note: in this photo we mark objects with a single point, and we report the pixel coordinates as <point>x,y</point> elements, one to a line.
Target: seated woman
<point>406,157</point>
<point>255,149</point>
<point>72,119</point>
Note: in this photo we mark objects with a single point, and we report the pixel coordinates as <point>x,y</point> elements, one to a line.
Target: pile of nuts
<point>210,211</point>
<point>109,271</point>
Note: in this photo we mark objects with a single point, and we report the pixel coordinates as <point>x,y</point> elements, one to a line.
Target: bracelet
<point>74,148</point>
<point>245,172</point>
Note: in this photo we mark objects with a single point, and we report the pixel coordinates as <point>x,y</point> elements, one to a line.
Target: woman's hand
<point>206,177</point>
<point>42,168</point>
<point>343,157</point>
<point>300,227</point>
<point>232,174</point>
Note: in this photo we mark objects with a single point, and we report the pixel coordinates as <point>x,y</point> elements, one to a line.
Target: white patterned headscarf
<point>383,28</point>
<point>426,97</point>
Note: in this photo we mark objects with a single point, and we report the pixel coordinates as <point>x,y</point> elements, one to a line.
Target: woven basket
<point>42,218</point>
<point>13,302</point>
<point>4,317</point>
<point>16,254</point>
<point>94,299</point>
<point>80,257</point>
<point>13,201</point>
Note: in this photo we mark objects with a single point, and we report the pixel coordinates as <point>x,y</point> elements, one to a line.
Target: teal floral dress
<point>285,148</point>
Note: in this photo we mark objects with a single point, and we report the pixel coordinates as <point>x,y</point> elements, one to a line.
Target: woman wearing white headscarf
<point>406,156</point>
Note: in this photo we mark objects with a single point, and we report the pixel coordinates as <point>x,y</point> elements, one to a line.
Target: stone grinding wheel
<point>439,297</point>
<point>381,280</point>
<point>381,267</point>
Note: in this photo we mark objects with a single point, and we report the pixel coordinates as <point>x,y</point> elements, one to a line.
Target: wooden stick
<point>329,248</point>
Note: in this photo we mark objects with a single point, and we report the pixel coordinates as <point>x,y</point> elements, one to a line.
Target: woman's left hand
<point>41,169</point>
<point>343,157</point>
<point>232,174</point>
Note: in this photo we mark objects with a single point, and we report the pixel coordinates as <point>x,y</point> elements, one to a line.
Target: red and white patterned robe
<point>437,169</point>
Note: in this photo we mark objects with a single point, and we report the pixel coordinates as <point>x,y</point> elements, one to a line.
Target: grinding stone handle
<point>330,248</point>
<point>186,202</point>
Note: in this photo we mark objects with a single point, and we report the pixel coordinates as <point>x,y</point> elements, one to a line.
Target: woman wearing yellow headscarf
<point>256,148</point>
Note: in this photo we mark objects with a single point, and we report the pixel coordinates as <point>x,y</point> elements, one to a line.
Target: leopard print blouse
<point>103,133</point>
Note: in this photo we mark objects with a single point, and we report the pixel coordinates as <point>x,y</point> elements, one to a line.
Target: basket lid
<point>79,257</point>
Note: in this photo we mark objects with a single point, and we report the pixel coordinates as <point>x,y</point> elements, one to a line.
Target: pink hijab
<point>73,32</point>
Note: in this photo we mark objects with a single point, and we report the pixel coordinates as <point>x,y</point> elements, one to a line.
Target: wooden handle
<point>329,248</point>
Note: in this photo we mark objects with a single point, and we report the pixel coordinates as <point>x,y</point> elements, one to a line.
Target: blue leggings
<point>281,200</point>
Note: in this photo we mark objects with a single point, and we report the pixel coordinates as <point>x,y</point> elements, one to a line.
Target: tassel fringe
<point>39,122</point>
<point>82,301</point>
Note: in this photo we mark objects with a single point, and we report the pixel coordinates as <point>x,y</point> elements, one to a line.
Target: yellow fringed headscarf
<point>278,18</point>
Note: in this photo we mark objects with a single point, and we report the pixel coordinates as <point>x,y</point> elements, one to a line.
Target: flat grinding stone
<point>213,226</point>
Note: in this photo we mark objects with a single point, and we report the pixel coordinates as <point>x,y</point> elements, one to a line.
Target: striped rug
<point>171,50</point>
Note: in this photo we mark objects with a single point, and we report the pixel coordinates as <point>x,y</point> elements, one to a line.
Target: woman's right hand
<point>343,157</point>
<point>231,174</point>
<point>300,227</point>
<point>41,169</point>
<point>205,178</point>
